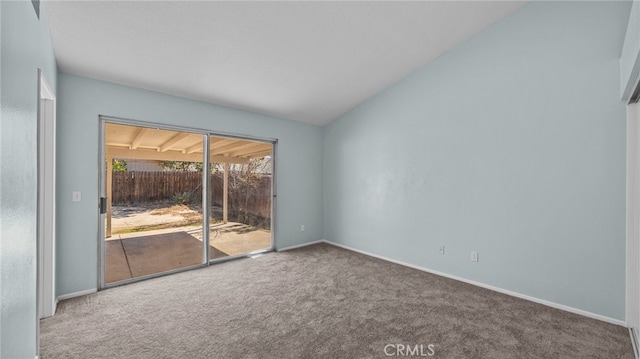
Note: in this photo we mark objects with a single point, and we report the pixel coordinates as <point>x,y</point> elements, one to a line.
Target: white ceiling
<point>304,61</point>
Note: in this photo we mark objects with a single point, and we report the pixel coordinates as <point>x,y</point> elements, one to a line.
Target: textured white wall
<point>26,46</point>
<point>512,145</point>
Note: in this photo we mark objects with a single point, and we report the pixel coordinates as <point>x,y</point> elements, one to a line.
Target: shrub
<point>183,198</point>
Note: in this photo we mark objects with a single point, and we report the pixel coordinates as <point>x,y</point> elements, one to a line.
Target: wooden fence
<point>135,187</point>
<point>130,187</point>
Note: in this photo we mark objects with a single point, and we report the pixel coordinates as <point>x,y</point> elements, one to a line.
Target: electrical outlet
<point>442,250</point>
<point>302,228</point>
<point>474,256</point>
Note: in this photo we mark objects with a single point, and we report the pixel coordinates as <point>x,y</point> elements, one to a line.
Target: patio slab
<point>162,252</point>
<point>238,238</point>
<point>138,254</point>
<point>117,267</point>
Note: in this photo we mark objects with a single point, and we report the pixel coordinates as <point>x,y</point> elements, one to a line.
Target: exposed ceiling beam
<point>256,147</point>
<point>223,144</point>
<point>150,154</point>
<point>116,144</point>
<point>258,154</point>
<point>251,149</point>
<point>195,148</point>
<point>231,147</point>
<point>139,137</point>
<point>220,141</point>
<point>174,140</point>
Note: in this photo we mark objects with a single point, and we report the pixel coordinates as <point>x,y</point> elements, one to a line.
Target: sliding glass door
<point>174,199</point>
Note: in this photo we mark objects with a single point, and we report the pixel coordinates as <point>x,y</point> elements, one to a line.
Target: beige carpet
<point>318,302</point>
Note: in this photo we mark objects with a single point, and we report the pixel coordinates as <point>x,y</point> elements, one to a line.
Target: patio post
<point>225,193</point>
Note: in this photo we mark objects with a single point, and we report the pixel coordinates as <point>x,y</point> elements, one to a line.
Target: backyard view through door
<point>155,191</point>
<point>240,197</point>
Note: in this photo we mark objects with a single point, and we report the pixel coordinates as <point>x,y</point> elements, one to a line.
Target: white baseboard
<point>487,286</point>
<point>77,294</point>
<point>300,245</point>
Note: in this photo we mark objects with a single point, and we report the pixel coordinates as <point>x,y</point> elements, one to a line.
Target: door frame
<point>46,224</point>
<point>632,287</point>
<point>207,134</point>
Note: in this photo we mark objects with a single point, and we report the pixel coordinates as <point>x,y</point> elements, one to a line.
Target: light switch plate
<point>76,196</point>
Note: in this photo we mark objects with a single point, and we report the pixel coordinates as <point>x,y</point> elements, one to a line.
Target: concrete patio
<point>133,255</point>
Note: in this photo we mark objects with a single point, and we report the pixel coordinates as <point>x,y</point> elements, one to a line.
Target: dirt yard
<point>145,217</point>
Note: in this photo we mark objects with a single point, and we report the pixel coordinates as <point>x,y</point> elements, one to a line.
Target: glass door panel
<point>154,220</point>
<point>241,193</point>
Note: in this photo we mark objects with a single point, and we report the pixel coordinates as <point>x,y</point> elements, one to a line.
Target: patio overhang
<point>123,141</point>
<point>144,143</point>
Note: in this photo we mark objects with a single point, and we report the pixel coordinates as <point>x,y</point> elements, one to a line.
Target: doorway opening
<point>46,199</point>
<point>176,199</point>
<point>633,219</point>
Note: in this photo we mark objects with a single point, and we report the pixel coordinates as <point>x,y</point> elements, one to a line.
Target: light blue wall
<point>630,58</point>
<point>513,145</point>
<point>81,100</point>
<point>26,46</point>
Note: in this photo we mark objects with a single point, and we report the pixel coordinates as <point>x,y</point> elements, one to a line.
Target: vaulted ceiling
<point>305,61</point>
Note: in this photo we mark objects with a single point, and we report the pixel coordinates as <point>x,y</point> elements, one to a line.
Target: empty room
<point>319,179</point>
